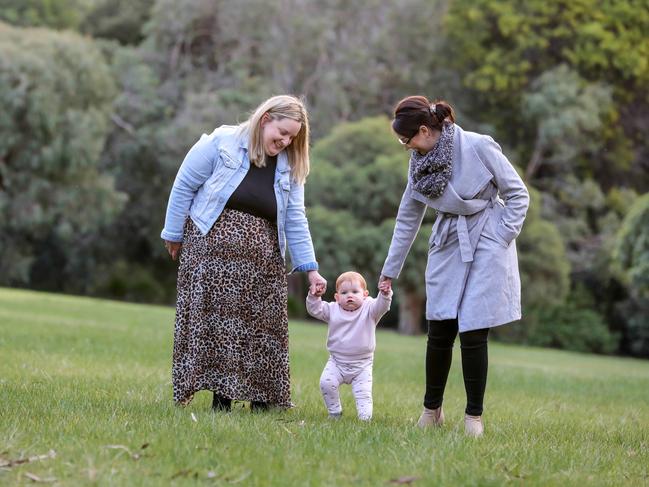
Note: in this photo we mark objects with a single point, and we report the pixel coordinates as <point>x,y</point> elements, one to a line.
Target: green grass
<point>90,379</point>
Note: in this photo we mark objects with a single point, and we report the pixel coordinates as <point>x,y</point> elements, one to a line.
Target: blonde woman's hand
<point>317,283</point>
<point>173,248</point>
<point>319,290</point>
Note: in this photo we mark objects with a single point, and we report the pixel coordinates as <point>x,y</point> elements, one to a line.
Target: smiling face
<point>350,295</point>
<point>277,134</point>
<point>422,141</point>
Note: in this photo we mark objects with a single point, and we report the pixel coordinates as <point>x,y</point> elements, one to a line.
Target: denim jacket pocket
<point>228,160</point>
<point>225,168</point>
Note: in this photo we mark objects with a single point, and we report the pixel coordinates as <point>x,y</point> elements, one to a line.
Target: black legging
<point>439,352</point>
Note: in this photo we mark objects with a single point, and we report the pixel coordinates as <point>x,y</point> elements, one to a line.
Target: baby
<point>351,340</point>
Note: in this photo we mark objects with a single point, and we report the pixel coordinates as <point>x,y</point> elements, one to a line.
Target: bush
<point>130,282</point>
<point>631,264</point>
<point>569,327</point>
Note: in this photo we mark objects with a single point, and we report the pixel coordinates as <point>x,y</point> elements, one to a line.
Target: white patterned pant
<point>357,373</point>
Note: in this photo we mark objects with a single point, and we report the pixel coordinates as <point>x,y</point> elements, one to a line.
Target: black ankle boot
<point>220,403</point>
<point>259,406</point>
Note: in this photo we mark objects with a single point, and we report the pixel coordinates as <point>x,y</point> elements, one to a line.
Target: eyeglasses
<point>404,140</point>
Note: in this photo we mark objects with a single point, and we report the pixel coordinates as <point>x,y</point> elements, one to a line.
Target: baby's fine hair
<point>351,276</point>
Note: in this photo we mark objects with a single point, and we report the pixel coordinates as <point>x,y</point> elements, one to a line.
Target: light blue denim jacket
<point>213,168</point>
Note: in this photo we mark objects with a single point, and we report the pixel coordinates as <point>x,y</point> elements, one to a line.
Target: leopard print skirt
<point>231,331</point>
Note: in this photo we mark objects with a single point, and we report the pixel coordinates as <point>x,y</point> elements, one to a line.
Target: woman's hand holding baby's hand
<point>317,283</point>
<point>385,285</point>
<point>319,290</point>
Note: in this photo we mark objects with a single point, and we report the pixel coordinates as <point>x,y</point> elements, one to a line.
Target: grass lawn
<point>86,384</point>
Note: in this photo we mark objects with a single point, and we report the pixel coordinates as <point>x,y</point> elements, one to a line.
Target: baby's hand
<point>319,290</point>
<point>385,290</point>
<point>385,285</point>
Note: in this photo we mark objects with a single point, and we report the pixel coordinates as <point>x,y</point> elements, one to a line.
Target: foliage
<point>57,14</point>
<point>514,41</point>
<point>121,20</point>
<point>631,256</point>
<point>543,264</point>
<point>55,95</point>
<point>349,59</point>
<point>568,114</point>
<point>571,328</point>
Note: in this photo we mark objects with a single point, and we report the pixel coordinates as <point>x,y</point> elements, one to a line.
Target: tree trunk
<point>535,161</point>
<point>411,312</point>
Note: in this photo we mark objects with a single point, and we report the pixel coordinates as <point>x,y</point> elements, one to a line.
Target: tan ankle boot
<point>473,425</point>
<point>431,417</point>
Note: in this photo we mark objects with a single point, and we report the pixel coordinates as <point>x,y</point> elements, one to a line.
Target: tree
<point>567,113</point>
<point>57,14</point>
<point>631,256</point>
<point>543,264</point>
<point>513,43</point>
<point>349,59</point>
<point>55,96</point>
<point>121,20</point>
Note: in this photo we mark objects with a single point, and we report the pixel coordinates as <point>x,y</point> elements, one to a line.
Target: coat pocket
<point>494,217</point>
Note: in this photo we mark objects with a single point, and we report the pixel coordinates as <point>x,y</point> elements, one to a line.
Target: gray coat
<point>472,269</point>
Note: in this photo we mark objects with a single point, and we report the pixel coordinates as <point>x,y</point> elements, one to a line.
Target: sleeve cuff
<point>172,237</point>
<point>309,266</point>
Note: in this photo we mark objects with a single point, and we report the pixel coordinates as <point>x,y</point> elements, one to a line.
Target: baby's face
<point>350,295</point>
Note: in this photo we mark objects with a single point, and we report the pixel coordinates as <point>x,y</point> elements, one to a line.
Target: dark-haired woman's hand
<point>385,284</point>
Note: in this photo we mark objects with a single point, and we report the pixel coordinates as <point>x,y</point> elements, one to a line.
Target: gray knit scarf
<point>430,172</point>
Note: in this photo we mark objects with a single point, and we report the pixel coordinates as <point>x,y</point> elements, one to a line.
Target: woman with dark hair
<point>472,279</point>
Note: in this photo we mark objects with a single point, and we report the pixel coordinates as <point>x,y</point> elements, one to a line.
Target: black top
<point>256,193</point>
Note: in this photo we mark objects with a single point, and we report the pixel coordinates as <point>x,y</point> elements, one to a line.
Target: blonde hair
<point>278,107</point>
<point>351,276</point>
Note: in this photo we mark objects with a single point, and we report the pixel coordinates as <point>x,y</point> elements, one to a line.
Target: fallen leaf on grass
<point>92,473</point>
<point>404,480</point>
<point>134,456</point>
<point>20,461</point>
<point>181,473</point>
<point>509,472</point>
<point>241,478</point>
<point>36,478</point>
<point>287,430</point>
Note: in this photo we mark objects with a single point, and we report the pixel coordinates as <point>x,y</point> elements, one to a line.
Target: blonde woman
<point>236,203</point>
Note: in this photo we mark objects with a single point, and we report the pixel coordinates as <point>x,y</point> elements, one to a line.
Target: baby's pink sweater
<point>351,333</point>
